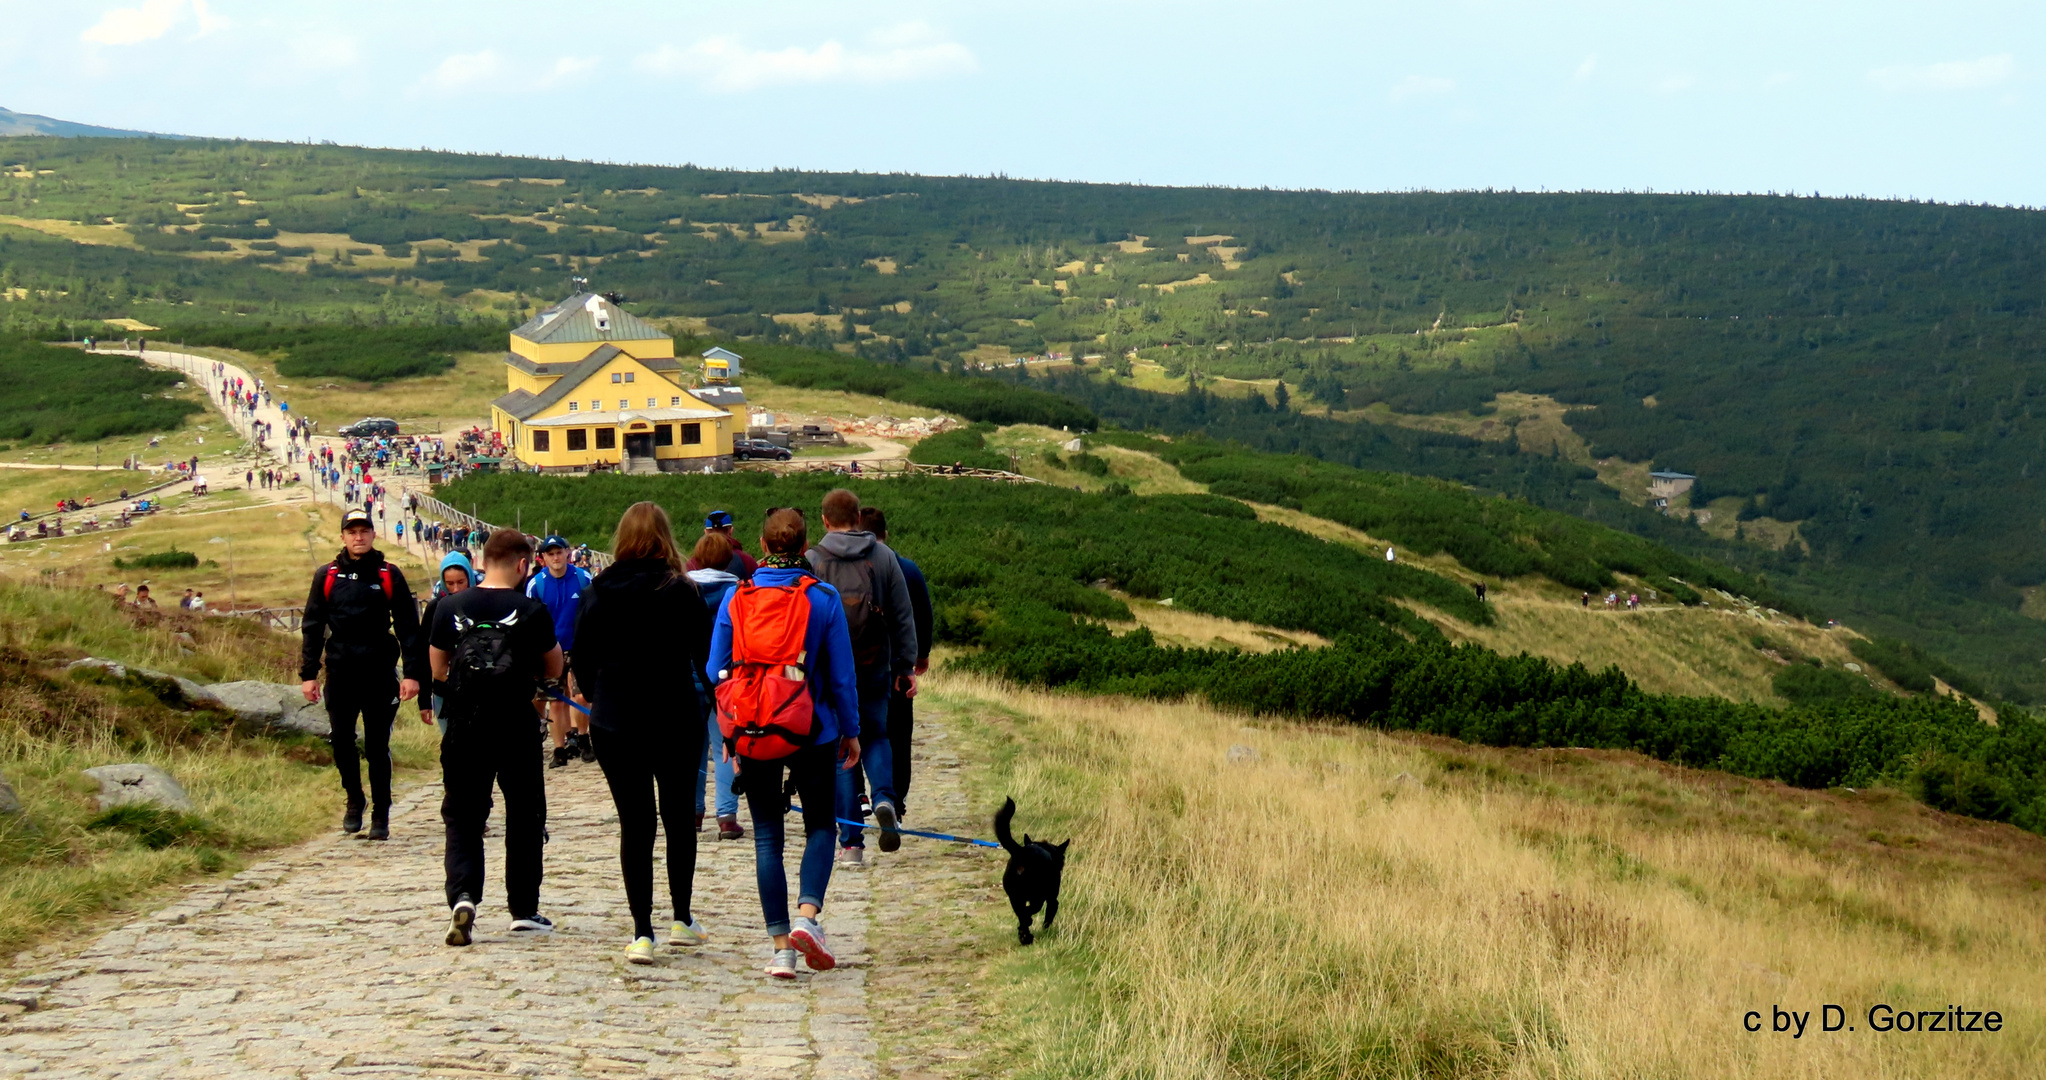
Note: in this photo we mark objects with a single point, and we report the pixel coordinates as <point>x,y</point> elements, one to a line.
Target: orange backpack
<point>764,705</point>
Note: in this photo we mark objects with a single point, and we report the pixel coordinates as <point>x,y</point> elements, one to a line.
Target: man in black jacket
<point>361,611</point>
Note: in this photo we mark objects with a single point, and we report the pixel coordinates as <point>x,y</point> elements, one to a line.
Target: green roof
<point>576,320</point>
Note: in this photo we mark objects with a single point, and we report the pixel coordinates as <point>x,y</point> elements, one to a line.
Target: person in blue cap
<point>560,586</point>
<point>740,565</point>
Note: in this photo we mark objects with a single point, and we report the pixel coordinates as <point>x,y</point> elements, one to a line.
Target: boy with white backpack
<point>781,660</point>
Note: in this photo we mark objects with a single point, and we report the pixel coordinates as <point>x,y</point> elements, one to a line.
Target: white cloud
<point>1585,69</point>
<point>464,70</point>
<point>132,26</point>
<point>1952,75</point>
<point>899,53</point>
<point>1421,85</point>
<point>208,21</point>
<point>567,68</point>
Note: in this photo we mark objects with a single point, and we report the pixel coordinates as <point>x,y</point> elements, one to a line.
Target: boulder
<point>137,783</point>
<point>271,707</point>
<point>10,803</point>
<point>172,690</point>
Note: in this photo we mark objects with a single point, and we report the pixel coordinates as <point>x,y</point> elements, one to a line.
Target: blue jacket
<point>563,596</point>
<point>833,692</point>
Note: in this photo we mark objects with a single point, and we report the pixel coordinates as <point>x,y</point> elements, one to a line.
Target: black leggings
<point>635,767</point>
<point>375,696</point>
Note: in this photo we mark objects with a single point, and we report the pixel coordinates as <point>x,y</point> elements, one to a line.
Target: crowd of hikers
<point>800,677</point>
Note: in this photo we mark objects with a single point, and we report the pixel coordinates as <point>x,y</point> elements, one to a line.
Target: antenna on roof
<point>579,284</point>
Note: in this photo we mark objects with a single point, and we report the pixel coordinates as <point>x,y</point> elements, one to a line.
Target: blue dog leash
<point>861,825</point>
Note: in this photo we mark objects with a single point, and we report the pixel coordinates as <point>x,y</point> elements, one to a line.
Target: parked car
<point>747,449</point>
<point>370,425</point>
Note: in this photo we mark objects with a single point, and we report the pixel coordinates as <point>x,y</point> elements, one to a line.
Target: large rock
<point>10,803</point>
<point>172,690</point>
<point>270,706</point>
<point>120,785</point>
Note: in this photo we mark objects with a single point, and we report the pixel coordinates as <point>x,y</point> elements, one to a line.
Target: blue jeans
<point>713,747</point>
<point>761,783</point>
<point>875,756</point>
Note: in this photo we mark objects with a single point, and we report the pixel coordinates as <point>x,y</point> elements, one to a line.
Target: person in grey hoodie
<point>713,550</point>
<point>869,581</point>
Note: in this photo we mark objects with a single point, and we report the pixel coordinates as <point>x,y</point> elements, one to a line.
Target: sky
<point>1896,100</point>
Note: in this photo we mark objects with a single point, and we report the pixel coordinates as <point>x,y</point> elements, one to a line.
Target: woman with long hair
<point>640,618</point>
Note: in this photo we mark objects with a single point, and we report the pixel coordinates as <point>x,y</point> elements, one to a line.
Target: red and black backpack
<point>764,704</point>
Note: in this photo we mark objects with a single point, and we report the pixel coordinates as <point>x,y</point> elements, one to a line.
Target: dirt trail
<point>327,960</point>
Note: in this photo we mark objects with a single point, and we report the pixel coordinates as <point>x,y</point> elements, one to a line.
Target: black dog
<point>1032,879</point>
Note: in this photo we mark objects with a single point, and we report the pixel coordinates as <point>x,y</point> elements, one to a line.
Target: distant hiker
<point>560,586</point>
<point>1584,600</point>
<point>639,618</point>
<point>198,602</point>
<point>185,602</point>
<point>870,585</point>
<point>1479,588</point>
<point>1388,555</point>
<point>494,646</point>
<point>142,598</point>
<point>902,696</point>
<point>712,549</point>
<point>360,609</point>
<point>740,565</point>
<point>784,617</point>
<point>456,575</point>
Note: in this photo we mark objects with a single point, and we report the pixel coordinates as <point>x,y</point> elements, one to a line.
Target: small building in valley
<point>1668,485</point>
<point>591,384</point>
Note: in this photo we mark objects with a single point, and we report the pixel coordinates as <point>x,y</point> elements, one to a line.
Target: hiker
<point>185,602</point>
<point>456,575</point>
<point>560,586</point>
<point>494,646</point>
<point>778,619</point>
<point>199,602</point>
<point>871,588</point>
<point>360,609</point>
<point>638,618</point>
<point>739,564</point>
<point>1479,588</point>
<point>712,550</point>
<point>142,599</point>
<point>902,698</point>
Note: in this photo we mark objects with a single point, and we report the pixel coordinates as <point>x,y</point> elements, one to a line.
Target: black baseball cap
<point>718,519</point>
<point>353,518</point>
<point>553,541</point>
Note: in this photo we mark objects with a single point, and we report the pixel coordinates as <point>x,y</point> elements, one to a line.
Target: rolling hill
<point>13,123</point>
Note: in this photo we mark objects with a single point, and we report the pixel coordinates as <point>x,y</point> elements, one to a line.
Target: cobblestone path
<point>328,961</point>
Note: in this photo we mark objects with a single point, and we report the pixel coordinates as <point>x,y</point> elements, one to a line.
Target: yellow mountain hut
<point>592,384</point>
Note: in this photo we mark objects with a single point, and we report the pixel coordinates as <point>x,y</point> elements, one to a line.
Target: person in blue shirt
<point>834,747</point>
<point>560,586</point>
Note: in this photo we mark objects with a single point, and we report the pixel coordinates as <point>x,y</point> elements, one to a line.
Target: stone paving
<point>328,961</point>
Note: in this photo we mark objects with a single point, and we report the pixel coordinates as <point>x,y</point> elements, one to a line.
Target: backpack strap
<point>333,571</point>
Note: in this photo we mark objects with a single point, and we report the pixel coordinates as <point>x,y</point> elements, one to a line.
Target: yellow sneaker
<point>687,935</point>
<point>641,951</point>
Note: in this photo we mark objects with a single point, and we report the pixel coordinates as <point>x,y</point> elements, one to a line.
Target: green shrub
<point>67,395</point>
<point>1806,684</point>
<point>159,560</point>
<point>1911,667</point>
<point>156,827</point>
<point>966,446</point>
<point>367,353</point>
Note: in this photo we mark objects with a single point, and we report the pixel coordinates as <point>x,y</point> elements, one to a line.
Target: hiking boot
<point>589,747</point>
<point>866,805</point>
<point>728,827</point>
<point>461,920</point>
<point>560,758</point>
<point>699,821</point>
<point>532,924</point>
<point>852,856</point>
<point>380,824</point>
<point>884,816</point>
<point>783,966</point>
<point>641,951</point>
<point>351,819</point>
<point>808,938</point>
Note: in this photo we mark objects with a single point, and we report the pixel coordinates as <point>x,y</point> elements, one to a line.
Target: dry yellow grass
<point>76,232</point>
<point>1336,902</point>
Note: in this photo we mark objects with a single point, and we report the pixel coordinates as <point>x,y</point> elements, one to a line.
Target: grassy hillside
<point>1248,899</point>
<point>1865,371</point>
<point>64,395</point>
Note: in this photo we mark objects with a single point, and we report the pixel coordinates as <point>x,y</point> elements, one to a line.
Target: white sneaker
<point>641,951</point>
<point>886,818</point>
<point>783,966</point>
<point>852,856</point>
<point>687,935</point>
<point>461,920</point>
<point>808,938</point>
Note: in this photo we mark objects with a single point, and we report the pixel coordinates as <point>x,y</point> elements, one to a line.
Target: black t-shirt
<point>530,635</point>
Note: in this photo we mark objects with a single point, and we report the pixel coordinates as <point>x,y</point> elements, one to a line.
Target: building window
<point>578,439</point>
<point>650,403</point>
<point>623,404</point>
<point>540,440</point>
<point>607,438</point>
<point>615,377</point>
<point>676,401</point>
<point>596,406</point>
<point>571,406</point>
<point>692,434</point>
<point>664,435</point>
<point>628,376</point>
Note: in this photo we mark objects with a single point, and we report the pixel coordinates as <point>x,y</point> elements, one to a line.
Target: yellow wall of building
<point>568,352</point>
